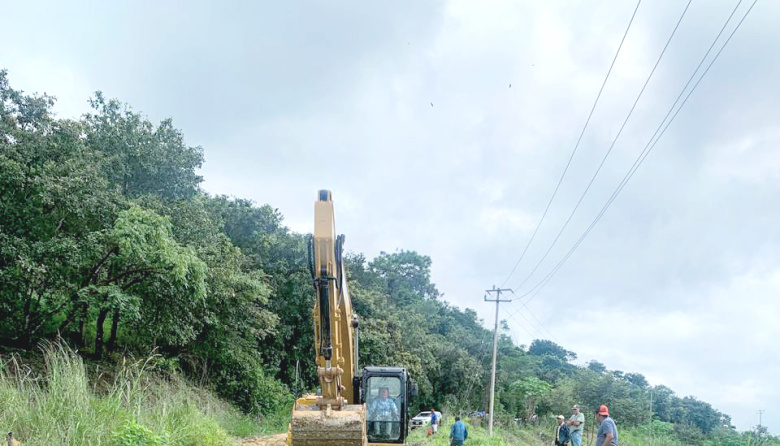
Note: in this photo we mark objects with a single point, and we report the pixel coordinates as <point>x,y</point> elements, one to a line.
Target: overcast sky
<point>404,110</point>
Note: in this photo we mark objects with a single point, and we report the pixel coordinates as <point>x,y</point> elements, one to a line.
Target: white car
<point>423,419</point>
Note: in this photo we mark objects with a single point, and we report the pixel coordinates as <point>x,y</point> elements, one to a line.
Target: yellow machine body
<point>331,418</point>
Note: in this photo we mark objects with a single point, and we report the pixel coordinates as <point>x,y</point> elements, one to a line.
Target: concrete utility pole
<point>498,299</point>
<point>760,412</point>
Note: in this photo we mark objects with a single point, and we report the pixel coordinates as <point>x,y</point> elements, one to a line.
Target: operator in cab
<point>384,413</point>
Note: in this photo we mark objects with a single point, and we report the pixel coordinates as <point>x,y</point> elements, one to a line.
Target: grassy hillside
<point>134,404</point>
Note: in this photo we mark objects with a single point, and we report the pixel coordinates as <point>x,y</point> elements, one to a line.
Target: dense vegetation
<point>108,242</point>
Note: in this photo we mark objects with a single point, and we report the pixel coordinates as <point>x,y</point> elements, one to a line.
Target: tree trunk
<point>83,324</point>
<point>25,331</point>
<point>64,325</point>
<point>99,333</point>
<point>27,309</point>
<point>112,338</point>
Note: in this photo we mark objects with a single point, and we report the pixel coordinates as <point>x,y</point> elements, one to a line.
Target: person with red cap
<point>607,434</point>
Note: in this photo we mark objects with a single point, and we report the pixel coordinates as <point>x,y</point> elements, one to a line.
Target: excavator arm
<point>335,416</point>
<point>333,320</point>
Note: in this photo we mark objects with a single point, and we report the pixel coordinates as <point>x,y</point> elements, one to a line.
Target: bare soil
<point>266,440</point>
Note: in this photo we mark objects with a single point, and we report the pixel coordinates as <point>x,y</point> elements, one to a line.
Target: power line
<point>606,155</point>
<point>650,144</point>
<point>512,315</point>
<point>649,147</point>
<point>519,311</point>
<point>539,332</point>
<point>571,157</point>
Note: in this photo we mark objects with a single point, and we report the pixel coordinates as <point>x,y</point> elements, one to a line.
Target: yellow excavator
<point>353,407</point>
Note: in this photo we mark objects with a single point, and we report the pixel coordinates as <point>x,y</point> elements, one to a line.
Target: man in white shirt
<point>576,424</point>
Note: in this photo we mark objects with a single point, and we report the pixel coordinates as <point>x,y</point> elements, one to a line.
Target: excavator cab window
<point>384,397</point>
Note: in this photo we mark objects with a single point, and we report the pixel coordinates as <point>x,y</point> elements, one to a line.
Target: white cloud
<point>41,75</point>
<point>731,332</point>
<point>503,220</point>
<point>753,158</point>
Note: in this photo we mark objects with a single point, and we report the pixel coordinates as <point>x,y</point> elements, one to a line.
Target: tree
<point>55,212</point>
<point>553,369</point>
<point>281,255</point>
<point>406,276</point>
<point>525,394</point>
<point>560,398</point>
<point>637,379</point>
<point>540,347</point>
<point>665,404</point>
<point>142,159</point>
<point>597,366</point>
<point>701,414</point>
<point>146,277</point>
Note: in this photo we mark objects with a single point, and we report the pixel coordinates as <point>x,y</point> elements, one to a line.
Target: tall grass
<point>59,407</point>
<point>477,436</point>
<point>541,434</point>
<point>657,434</point>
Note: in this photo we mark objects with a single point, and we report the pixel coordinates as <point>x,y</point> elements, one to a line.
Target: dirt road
<point>268,440</point>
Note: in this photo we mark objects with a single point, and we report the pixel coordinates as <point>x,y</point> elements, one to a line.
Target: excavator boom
<point>334,417</point>
<point>333,335</point>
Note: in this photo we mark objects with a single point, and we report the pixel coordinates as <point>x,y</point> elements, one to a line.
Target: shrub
<point>133,434</point>
<point>240,378</point>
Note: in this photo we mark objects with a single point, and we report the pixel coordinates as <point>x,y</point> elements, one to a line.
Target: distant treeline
<point>108,241</point>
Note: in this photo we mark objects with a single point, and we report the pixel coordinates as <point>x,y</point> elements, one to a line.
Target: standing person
<point>561,432</point>
<point>434,422</point>
<point>608,434</point>
<point>459,433</point>
<point>577,423</point>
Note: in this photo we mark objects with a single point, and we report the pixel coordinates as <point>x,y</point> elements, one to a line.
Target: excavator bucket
<point>314,427</point>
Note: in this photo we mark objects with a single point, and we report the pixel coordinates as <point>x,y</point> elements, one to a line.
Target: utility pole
<point>760,412</point>
<point>652,434</point>
<point>498,299</point>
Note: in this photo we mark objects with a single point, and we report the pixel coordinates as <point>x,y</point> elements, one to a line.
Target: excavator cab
<point>386,391</point>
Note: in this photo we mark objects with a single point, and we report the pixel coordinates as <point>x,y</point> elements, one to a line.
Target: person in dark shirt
<point>607,434</point>
<point>561,432</point>
<point>459,433</point>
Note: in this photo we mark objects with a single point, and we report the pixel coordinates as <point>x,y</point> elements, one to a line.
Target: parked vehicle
<point>423,419</point>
